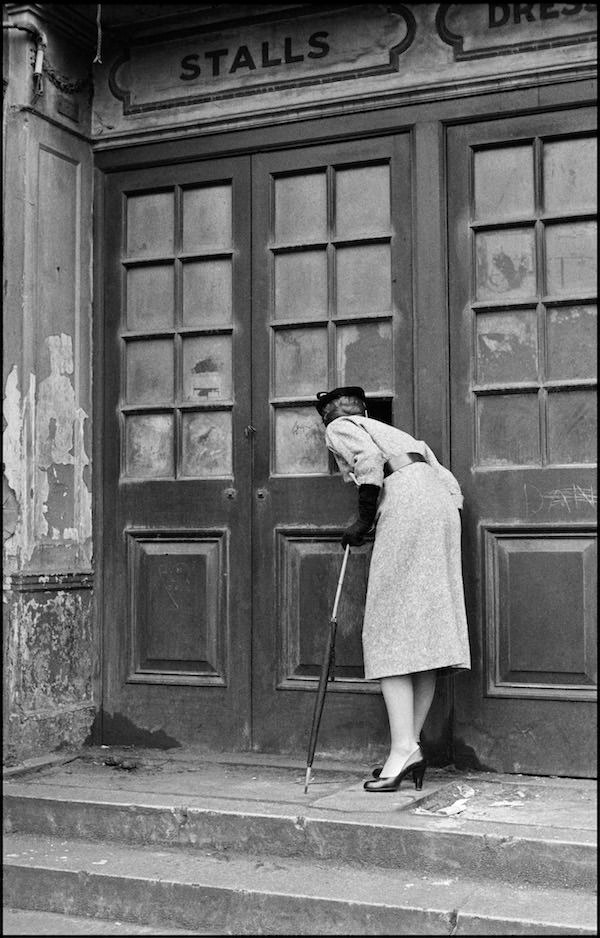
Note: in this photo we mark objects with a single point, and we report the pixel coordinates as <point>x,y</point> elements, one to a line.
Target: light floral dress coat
<point>414,616</point>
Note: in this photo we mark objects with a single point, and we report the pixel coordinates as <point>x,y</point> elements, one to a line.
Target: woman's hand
<point>354,535</point>
<point>367,509</point>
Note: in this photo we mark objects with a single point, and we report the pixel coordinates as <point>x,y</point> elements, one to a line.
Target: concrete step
<point>370,831</point>
<point>176,887</point>
<point>26,922</point>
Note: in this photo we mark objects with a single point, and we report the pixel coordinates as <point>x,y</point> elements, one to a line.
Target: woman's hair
<point>346,404</point>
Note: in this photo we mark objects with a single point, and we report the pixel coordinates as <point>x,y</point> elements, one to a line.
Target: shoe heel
<point>418,774</point>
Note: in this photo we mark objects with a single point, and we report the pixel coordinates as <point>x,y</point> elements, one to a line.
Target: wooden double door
<point>235,289</point>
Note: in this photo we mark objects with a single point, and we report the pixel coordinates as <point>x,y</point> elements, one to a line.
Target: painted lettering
<point>266,62</point>
<point>288,54</point>
<point>523,9</point>
<point>242,59</point>
<point>499,14</point>
<point>547,11</point>
<point>189,62</point>
<point>317,42</point>
<point>250,58</point>
<point>216,57</point>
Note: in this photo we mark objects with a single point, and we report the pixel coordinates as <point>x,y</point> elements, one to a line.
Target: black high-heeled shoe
<point>376,771</point>
<point>392,783</point>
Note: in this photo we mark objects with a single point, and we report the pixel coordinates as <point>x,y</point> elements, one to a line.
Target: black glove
<point>367,507</point>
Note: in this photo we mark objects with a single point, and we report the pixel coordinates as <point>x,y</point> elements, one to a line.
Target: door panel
<point>177,469</point>
<point>523,315</point>
<point>332,305</point>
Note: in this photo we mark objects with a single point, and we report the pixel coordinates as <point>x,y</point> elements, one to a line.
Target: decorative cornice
<point>65,17</point>
<point>396,97</point>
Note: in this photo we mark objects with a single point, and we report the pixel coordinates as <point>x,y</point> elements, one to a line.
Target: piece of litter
<point>466,791</point>
<point>455,808</point>
<point>506,804</point>
<point>452,809</point>
<point>99,862</point>
<point>521,794</point>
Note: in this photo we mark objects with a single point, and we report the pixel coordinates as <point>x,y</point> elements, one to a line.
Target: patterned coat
<point>414,616</point>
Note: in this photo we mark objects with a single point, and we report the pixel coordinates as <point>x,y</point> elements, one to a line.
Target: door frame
<point>428,121</point>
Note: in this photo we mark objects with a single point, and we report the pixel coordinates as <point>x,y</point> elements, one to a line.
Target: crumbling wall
<point>50,643</point>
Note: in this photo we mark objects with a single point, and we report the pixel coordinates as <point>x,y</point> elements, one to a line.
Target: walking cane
<point>327,673</point>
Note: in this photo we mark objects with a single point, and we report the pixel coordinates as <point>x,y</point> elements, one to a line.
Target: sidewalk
<point>470,851</point>
<point>514,807</point>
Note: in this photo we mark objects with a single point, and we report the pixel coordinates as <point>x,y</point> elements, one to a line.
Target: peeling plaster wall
<point>51,493</point>
<point>50,643</point>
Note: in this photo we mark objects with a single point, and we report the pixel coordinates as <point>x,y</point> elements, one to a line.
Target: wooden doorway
<point>332,300</point>
<point>235,289</point>
<point>177,456</point>
<point>522,275</point>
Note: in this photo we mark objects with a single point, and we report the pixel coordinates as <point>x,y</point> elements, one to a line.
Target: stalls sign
<point>249,56</point>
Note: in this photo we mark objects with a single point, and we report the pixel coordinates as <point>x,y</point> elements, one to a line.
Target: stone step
<point>177,887</point>
<point>396,838</point>
<point>25,922</point>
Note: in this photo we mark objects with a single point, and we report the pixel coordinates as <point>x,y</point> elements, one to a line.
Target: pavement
<point>507,802</point>
<point>537,833</point>
<point>25,922</point>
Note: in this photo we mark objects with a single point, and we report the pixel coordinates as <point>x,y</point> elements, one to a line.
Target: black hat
<point>325,397</point>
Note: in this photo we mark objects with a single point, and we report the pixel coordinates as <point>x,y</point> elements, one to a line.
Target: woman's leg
<point>424,689</point>
<point>398,694</point>
<point>408,698</point>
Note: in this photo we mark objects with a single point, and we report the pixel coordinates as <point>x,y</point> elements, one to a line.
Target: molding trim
<point>60,126</point>
<point>358,105</point>
<point>200,672</point>
<point>533,687</point>
<point>64,17</point>
<point>49,582</point>
<point>286,536</point>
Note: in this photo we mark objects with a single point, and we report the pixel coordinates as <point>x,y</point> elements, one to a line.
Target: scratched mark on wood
<point>570,498</point>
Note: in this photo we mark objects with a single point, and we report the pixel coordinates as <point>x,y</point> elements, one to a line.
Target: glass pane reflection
<point>299,442</point>
<point>505,264</point>
<point>571,258</point>
<point>504,182</point>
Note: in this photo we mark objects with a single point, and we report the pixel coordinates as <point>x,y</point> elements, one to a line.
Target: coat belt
<point>394,463</point>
